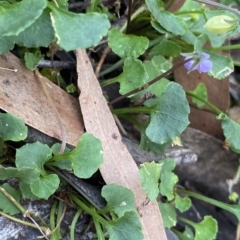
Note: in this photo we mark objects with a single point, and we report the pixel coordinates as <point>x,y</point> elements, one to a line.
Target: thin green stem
<point>146,110</point>
<point>44,229</point>
<point>134,15</point>
<point>98,228</point>
<point>112,68</point>
<point>88,209</point>
<point>132,120</point>
<point>52,215</point>
<point>108,82</point>
<point>228,47</point>
<point>73,224</point>
<point>189,12</point>
<point>235,209</point>
<point>214,108</point>
<point>59,217</point>
<point>185,220</point>
<point>236,63</point>
<point>142,19</point>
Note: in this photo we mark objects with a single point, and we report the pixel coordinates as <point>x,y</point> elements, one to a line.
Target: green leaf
<point>45,186</point>
<point>168,164</point>
<point>183,204</point>
<point>200,42</point>
<point>166,48</point>
<point>33,155</point>
<point>127,45</point>
<point>206,229</point>
<point>125,228</point>
<point>188,233</point>
<point>64,164</point>
<point>168,178</point>
<point>5,204</point>
<point>6,44</point>
<point>222,66</point>
<point>168,20</point>
<point>12,128</point>
<point>26,191</point>
<point>231,131</point>
<point>39,34</point>
<point>134,75</point>
<point>146,144</point>
<point>78,30</point>
<point>25,176</point>
<point>32,59</point>
<point>119,199</point>
<point>201,92</point>
<point>150,175</point>
<point>86,157</point>
<point>170,117</point>
<point>154,68</point>
<point>168,213</point>
<point>63,4</point>
<point>168,181</point>
<point>71,88</point>
<point>14,18</point>
<point>56,148</point>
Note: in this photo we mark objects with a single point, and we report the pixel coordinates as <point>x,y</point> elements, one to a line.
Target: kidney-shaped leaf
<point>167,20</point>
<point>206,229</point>
<point>125,228</point>
<point>14,18</point>
<point>127,45</point>
<point>86,157</point>
<point>183,204</point>
<point>119,199</point>
<point>170,116</point>
<point>231,131</point>
<point>12,128</point>
<point>40,33</point>
<point>150,175</point>
<point>45,186</point>
<point>78,30</point>
<point>33,155</point>
<point>134,75</point>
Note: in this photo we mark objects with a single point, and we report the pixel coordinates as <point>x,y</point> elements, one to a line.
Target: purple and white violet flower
<point>200,62</point>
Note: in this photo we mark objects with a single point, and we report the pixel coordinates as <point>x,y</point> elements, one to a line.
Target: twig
<point>39,228</point>
<point>149,83</point>
<point>45,229</point>
<point>129,15</point>
<point>220,6</point>
<point>100,63</point>
<point>56,64</point>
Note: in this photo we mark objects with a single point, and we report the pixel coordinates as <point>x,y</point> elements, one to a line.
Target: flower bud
<point>220,24</point>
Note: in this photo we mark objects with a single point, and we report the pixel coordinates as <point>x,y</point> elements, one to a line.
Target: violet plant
<point>146,54</point>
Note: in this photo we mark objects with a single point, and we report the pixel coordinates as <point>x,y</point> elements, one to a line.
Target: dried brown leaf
<point>22,94</point>
<point>119,166</point>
